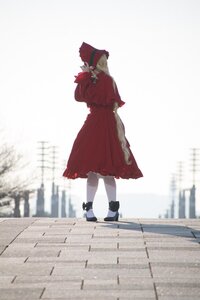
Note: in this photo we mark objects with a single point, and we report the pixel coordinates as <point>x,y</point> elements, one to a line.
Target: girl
<point>100,149</point>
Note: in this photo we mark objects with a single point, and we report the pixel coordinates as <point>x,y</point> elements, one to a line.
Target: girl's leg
<point>110,186</point>
<point>92,185</point>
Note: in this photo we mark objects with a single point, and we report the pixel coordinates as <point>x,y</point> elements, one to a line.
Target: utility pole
<point>173,194</point>
<point>43,148</point>
<point>40,192</point>
<point>194,163</point>
<point>180,174</point>
<point>63,204</point>
<point>55,189</point>
<point>181,203</point>
<point>195,168</point>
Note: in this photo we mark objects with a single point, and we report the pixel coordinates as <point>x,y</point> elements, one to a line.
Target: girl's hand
<point>85,67</point>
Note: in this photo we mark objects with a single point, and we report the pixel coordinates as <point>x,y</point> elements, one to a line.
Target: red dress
<point>97,147</point>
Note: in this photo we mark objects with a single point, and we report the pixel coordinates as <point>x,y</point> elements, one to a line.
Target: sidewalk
<point>42,258</point>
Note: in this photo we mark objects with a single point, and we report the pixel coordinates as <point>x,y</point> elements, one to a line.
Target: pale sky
<point>154,57</point>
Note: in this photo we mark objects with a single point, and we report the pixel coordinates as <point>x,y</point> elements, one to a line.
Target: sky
<point>154,58</point>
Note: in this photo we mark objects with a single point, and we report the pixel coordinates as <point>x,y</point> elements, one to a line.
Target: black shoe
<point>113,206</point>
<point>87,206</point>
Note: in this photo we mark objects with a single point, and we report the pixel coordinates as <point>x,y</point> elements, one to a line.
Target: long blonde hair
<point>102,65</point>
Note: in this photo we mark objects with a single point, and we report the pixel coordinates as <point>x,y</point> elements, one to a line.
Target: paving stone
<point>95,244</point>
<point>178,291</point>
<point>15,246</point>
<point>161,235</point>
<point>87,297</point>
<point>131,245</point>
<point>166,239</point>
<point>182,297</point>
<point>12,260</point>
<point>124,279</point>
<point>133,261</point>
<point>174,258</point>
<point>174,253</point>
<point>38,252</point>
<point>63,246</point>
<point>28,269</point>
<point>177,284</point>
<point>43,279</point>
<point>125,287</point>
<point>68,284</point>
<point>51,232</point>
<point>6,279</point>
<point>105,271</point>
<point>20,293</point>
<point>104,294</point>
<point>169,242</point>
<point>176,264</point>
<point>117,266</point>
<point>114,249</point>
<point>174,247</point>
<point>176,272</point>
<point>102,260</point>
<point>162,281</point>
<point>37,228</point>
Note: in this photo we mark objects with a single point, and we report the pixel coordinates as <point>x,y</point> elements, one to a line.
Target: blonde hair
<point>102,65</point>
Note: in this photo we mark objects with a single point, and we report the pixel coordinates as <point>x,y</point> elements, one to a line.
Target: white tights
<point>92,185</point>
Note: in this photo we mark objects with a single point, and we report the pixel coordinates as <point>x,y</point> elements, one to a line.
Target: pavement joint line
<point>86,263</point>
<point>51,270</point>
<point>82,284</point>
<point>35,245</point>
<point>118,281</point>
<point>89,248</point>
<point>193,234</point>
<point>59,253</point>
<point>14,279</point>
<point>150,269</point>
<point>147,253</point>
<point>26,259</point>
<point>3,249</point>
<point>118,246</point>
<point>155,290</point>
<point>42,293</point>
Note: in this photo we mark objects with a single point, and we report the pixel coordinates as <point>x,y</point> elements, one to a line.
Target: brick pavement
<point>42,258</point>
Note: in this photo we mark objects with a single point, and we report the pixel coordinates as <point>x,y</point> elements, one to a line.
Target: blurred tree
<point>9,162</point>
<point>13,185</point>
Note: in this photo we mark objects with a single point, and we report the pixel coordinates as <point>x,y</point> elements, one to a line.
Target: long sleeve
<point>101,92</point>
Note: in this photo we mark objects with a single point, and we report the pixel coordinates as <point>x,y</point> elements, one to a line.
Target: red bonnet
<point>90,54</point>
